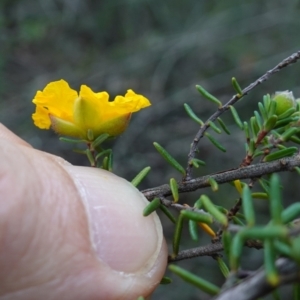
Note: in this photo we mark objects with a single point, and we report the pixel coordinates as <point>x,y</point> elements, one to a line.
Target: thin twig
<point>286,62</point>
<point>256,285</point>
<point>252,171</point>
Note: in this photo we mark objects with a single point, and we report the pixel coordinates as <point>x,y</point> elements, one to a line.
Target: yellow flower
<point>60,107</point>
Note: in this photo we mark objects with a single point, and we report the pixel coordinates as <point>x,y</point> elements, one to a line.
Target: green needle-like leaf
<point>168,213</point>
<point>275,200</point>
<point>214,127</point>
<point>209,206</point>
<point>140,176</point>
<point>290,213</point>
<point>236,252</point>
<point>237,87</point>
<point>197,216</point>
<point>90,157</point>
<point>99,140</point>
<point>270,123</point>
<point>215,142</point>
<point>166,280</point>
<point>236,117</point>
<point>224,127</point>
<point>193,229</point>
<point>172,161</point>
<point>73,141</point>
<point>227,240</point>
<point>208,96</point>
<point>151,207</point>
<point>248,208</point>
<point>197,162</point>
<point>269,263</point>
<point>287,113</point>
<point>281,154</point>
<point>174,189</point>
<point>202,284</point>
<point>177,235</point>
<point>192,115</point>
<point>213,184</point>
<point>223,267</point>
<point>262,111</point>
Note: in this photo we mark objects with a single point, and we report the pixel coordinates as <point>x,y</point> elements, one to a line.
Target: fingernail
<point>120,235</point>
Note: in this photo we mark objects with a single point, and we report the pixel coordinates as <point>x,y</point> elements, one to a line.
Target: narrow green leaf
<point>168,213</point>
<point>90,157</point>
<point>262,111</point>
<point>275,200</point>
<point>151,207</point>
<point>166,280</point>
<point>213,184</point>
<point>140,176</point>
<point>281,154</point>
<point>197,162</point>
<point>90,134</point>
<point>264,184</point>
<point>195,280</point>
<point>193,229</point>
<point>237,87</point>
<point>297,169</point>
<point>236,252</point>
<point>209,206</point>
<point>266,101</point>
<point>197,216</point>
<point>224,127</point>
<point>237,221</point>
<point>290,213</point>
<point>260,196</point>
<point>177,235</point>
<point>215,142</point>
<point>289,133</point>
<point>214,127</point>
<point>174,163</point>
<point>247,206</point>
<point>74,141</point>
<point>140,298</point>
<point>287,113</point>
<point>110,162</point>
<point>269,263</point>
<point>295,139</point>
<point>208,96</point>
<point>227,240</point>
<point>284,122</point>
<point>258,153</point>
<point>272,108</point>
<point>99,140</point>
<point>282,248</point>
<point>236,117</point>
<point>254,127</point>
<point>262,233</point>
<point>105,163</point>
<point>103,153</point>
<point>246,130</point>
<point>223,267</point>
<point>270,123</point>
<point>174,189</point>
<point>258,119</point>
<point>192,115</point>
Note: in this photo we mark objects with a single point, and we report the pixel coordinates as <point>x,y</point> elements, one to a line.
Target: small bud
<point>284,100</point>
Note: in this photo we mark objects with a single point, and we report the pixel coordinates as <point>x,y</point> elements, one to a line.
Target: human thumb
<point>71,232</point>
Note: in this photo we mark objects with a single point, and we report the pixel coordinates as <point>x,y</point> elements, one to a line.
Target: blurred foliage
<point>158,48</point>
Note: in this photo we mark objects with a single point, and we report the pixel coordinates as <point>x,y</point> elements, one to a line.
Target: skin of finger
<point>45,248</point>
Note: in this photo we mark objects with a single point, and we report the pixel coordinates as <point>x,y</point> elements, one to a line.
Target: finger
<point>8,135</point>
<point>73,233</point>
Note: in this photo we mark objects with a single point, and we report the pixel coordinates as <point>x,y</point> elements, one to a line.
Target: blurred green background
<point>160,49</point>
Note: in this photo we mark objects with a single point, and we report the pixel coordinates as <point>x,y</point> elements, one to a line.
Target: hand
<point>70,232</point>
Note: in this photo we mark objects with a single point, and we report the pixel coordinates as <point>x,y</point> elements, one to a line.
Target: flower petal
<point>58,98</point>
